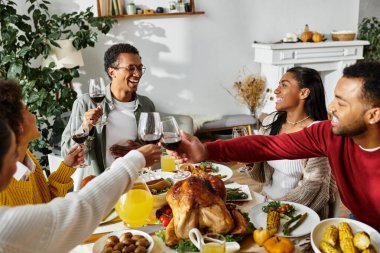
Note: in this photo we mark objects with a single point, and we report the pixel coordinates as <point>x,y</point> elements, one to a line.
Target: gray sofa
<point>185,122</point>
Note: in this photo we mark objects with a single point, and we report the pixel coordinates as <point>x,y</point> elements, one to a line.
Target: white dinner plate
<point>244,188</point>
<point>158,174</point>
<point>223,171</point>
<point>259,219</point>
<point>99,244</point>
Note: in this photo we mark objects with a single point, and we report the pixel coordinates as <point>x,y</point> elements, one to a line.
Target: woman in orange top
<point>33,188</point>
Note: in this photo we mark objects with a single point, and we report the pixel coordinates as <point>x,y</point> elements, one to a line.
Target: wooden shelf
<point>155,15</point>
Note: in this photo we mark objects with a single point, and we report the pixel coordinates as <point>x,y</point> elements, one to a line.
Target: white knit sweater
<point>65,222</point>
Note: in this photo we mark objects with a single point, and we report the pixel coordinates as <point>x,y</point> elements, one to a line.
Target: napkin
<point>22,172</point>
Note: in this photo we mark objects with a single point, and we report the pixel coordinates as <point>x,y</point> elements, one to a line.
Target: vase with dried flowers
<point>250,91</point>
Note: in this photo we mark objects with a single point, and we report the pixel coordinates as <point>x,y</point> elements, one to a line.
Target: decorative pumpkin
<point>261,235</point>
<point>317,37</point>
<point>279,244</point>
<point>86,180</point>
<point>306,35</point>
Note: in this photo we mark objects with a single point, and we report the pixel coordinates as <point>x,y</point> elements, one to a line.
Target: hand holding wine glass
<point>149,130</point>
<point>97,91</point>
<point>171,140</point>
<point>75,156</point>
<point>79,132</point>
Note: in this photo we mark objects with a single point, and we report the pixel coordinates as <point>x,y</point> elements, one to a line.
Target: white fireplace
<point>329,58</point>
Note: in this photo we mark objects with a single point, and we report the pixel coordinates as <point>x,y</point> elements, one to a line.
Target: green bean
<point>287,224</point>
<point>289,230</point>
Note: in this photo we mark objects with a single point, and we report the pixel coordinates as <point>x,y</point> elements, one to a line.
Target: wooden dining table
<point>246,245</point>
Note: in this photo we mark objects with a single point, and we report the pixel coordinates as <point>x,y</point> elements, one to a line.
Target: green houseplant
<point>369,29</point>
<point>25,39</point>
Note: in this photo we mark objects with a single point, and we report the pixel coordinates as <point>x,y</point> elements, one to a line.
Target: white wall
<point>190,59</point>
<point>369,8</point>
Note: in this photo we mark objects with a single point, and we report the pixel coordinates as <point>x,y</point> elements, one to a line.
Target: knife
<point>149,229</point>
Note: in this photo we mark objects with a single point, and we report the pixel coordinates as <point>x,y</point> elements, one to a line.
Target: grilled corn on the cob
<point>327,248</point>
<point>347,245</point>
<point>345,231</point>
<point>370,249</point>
<point>331,235</point>
<point>273,221</point>
<point>362,240</point>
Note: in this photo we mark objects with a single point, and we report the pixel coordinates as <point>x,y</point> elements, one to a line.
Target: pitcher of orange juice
<point>134,206</point>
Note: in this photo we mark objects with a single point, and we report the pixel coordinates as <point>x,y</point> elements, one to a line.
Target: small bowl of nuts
<point>127,240</point>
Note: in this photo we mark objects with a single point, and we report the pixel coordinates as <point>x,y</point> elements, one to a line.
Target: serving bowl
<point>343,35</point>
<point>319,229</point>
<point>99,244</point>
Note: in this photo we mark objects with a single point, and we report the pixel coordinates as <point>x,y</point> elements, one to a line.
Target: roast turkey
<point>199,202</point>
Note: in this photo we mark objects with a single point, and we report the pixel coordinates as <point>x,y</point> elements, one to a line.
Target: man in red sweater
<point>350,140</point>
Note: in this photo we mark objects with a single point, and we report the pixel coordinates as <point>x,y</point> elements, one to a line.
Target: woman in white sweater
<point>300,101</point>
<point>64,222</point>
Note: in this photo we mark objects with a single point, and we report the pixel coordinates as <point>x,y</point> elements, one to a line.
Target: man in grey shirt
<point>122,108</point>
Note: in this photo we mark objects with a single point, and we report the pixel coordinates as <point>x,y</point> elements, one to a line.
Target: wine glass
<point>134,207</point>
<point>149,130</point>
<point>97,91</point>
<point>79,132</point>
<point>170,133</point>
<point>239,131</point>
<point>171,140</point>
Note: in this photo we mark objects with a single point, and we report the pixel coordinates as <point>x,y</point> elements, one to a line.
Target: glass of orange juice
<point>134,206</point>
<point>213,243</point>
<point>167,163</point>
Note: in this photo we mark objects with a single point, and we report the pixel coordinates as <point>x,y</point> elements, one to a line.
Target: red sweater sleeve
<point>310,142</point>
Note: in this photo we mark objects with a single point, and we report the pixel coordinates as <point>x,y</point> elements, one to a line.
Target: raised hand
<point>75,156</point>
<point>191,149</point>
<point>119,150</point>
<point>92,116</point>
<point>152,154</point>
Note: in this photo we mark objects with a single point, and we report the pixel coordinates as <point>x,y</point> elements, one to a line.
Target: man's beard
<point>352,131</point>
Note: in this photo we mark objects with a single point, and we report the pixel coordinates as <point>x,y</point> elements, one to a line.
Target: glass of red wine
<point>79,131</point>
<point>170,133</point>
<point>97,91</point>
<point>149,130</point>
<point>171,140</point>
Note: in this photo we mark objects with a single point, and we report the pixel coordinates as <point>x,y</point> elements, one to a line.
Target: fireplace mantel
<point>329,58</point>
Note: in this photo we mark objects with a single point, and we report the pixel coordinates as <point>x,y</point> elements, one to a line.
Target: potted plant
<point>24,39</point>
<point>369,29</point>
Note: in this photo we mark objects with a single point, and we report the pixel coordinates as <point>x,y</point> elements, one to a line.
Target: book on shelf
<point>115,7</point>
<point>109,6</point>
<point>121,7</point>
